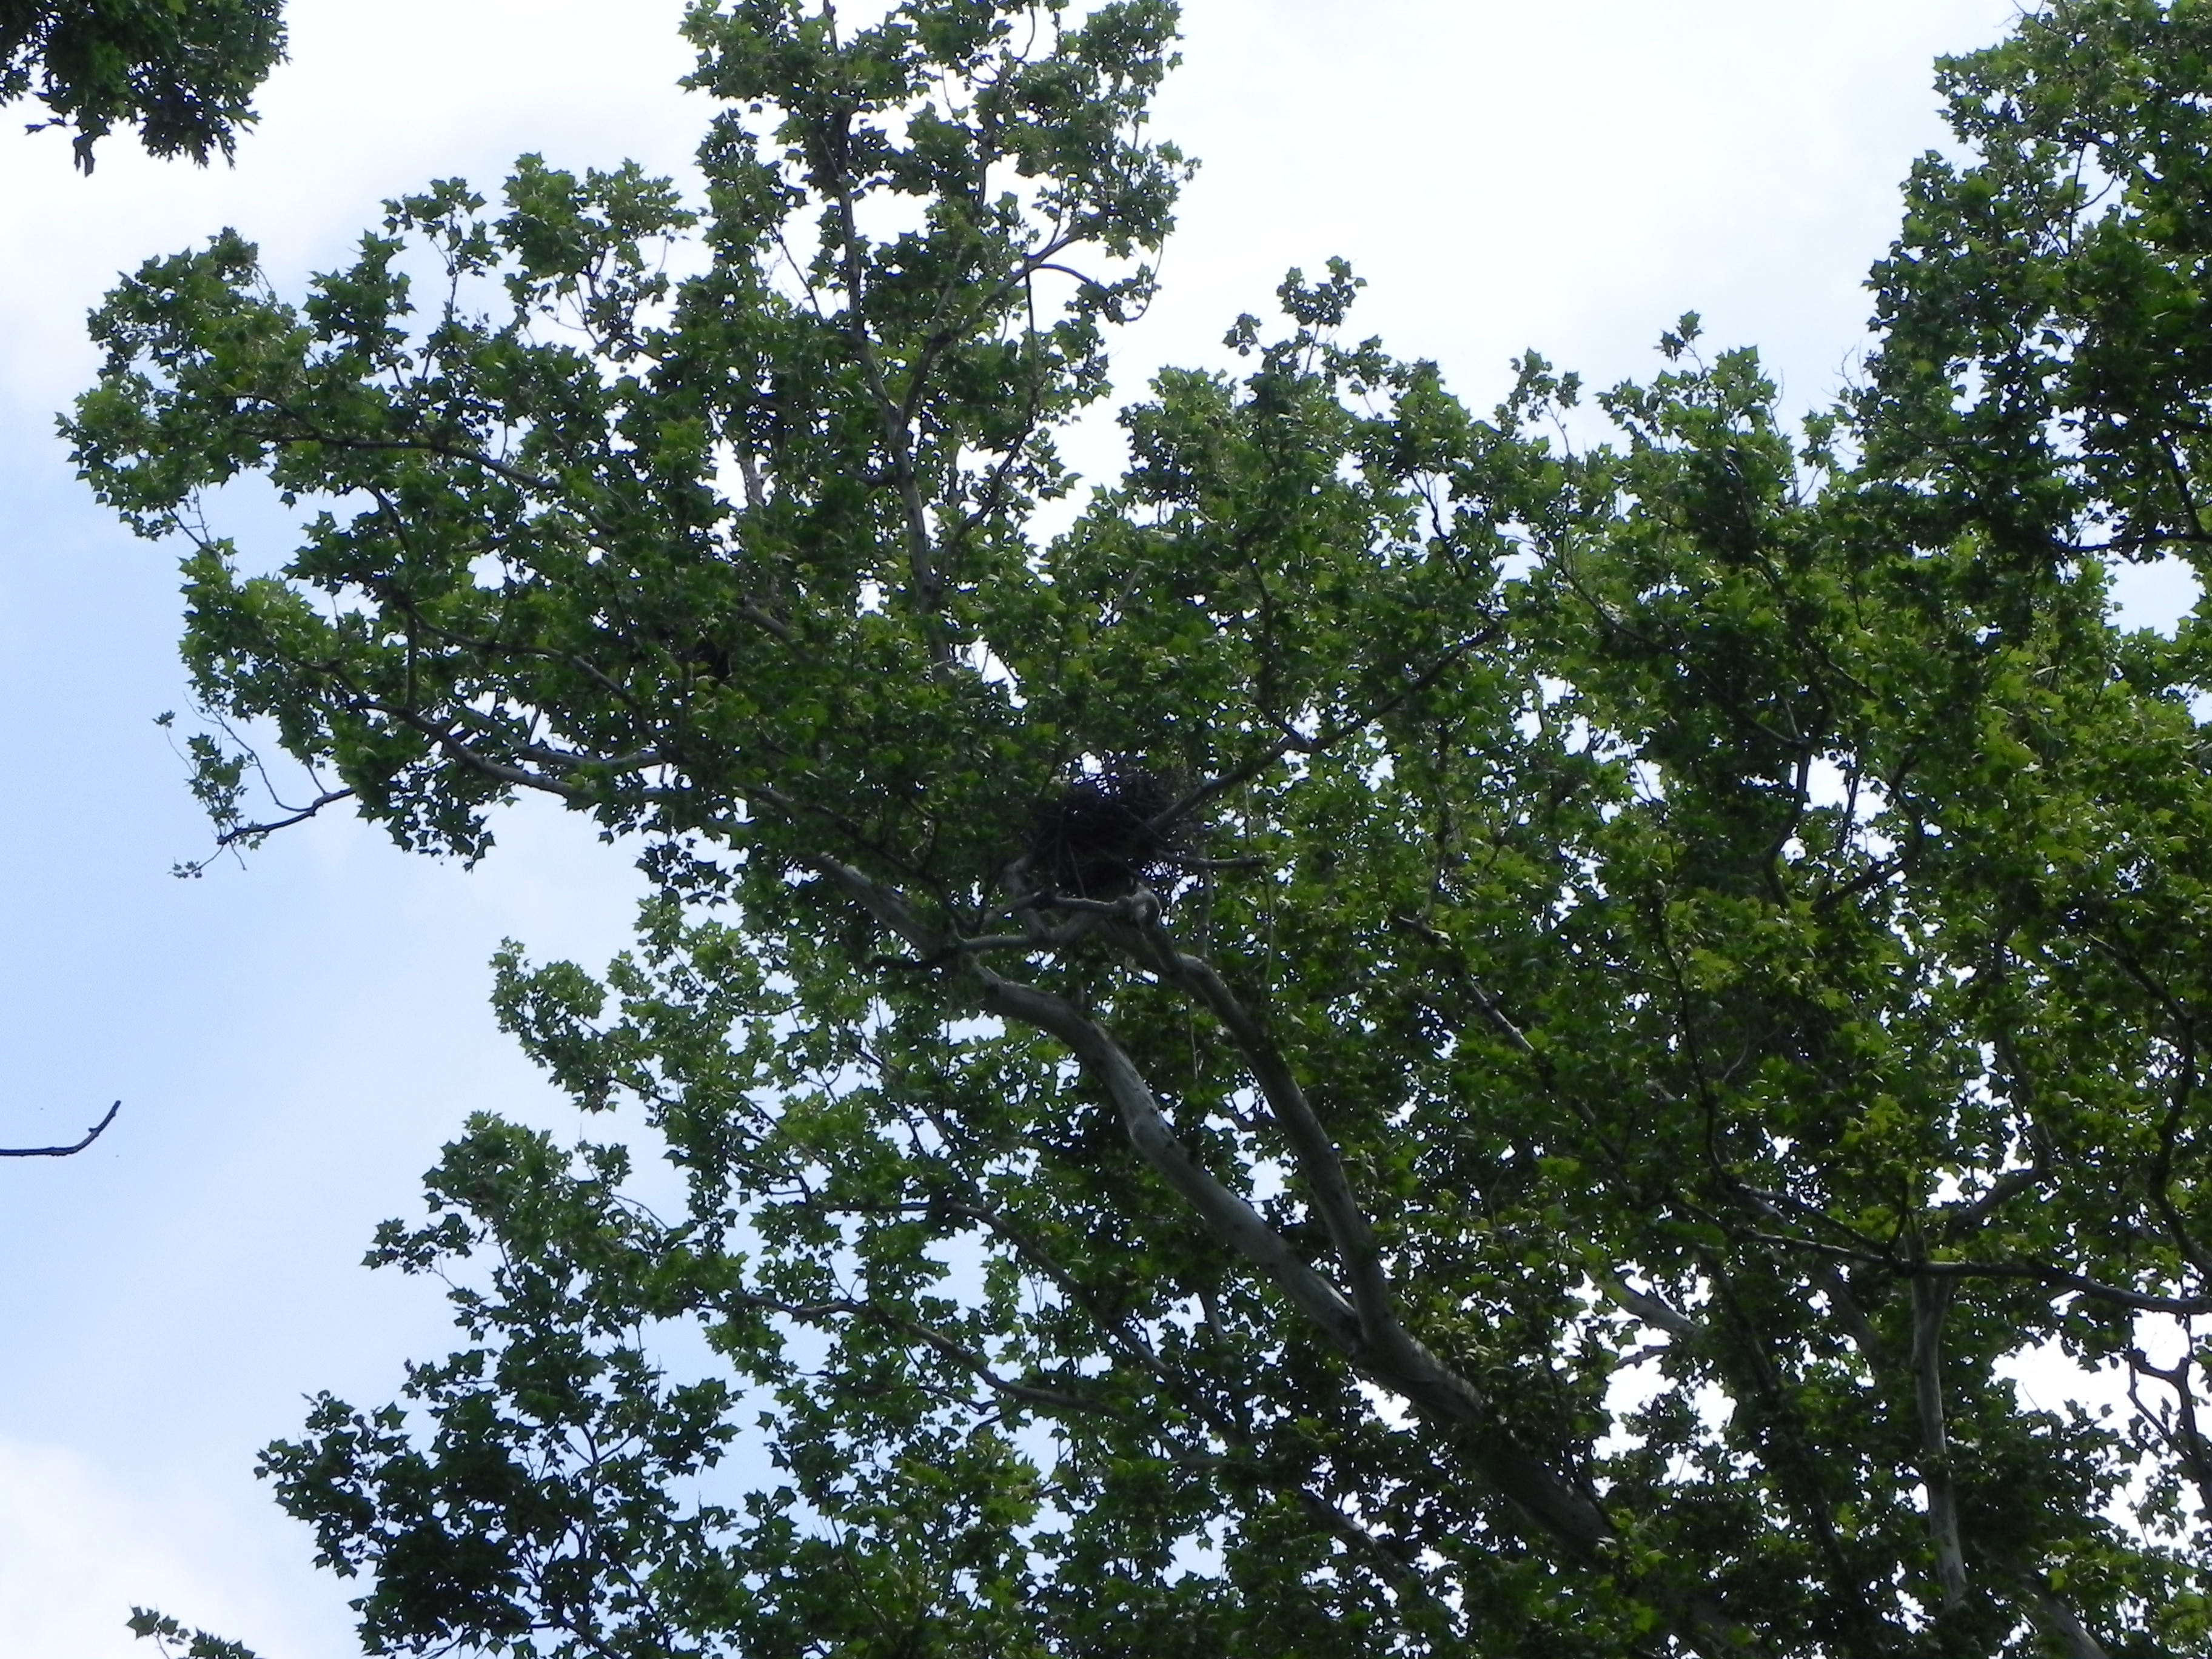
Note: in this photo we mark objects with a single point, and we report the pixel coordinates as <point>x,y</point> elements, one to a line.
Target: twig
<point>90,1135</point>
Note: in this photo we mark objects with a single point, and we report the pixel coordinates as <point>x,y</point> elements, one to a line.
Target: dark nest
<point>1098,839</point>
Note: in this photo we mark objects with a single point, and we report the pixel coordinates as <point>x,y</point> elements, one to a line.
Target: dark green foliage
<point>1627,989</point>
<point>182,72</point>
<point>196,1643</point>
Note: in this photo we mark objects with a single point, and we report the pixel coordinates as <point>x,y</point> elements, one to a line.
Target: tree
<point>181,71</point>
<point>1410,1039</point>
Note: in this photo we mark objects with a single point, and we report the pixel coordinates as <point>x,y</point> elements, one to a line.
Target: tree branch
<point>2181,1436</point>
<point>2055,1279</point>
<point>1653,1310</point>
<point>1334,732</point>
<point>1226,1214</point>
<point>90,1135</point>
<point>1318,1159</point>
<point>1570,1518</point>
<point>1931,1302</point>
<point>2058,1621</point>
<point>249,831</point>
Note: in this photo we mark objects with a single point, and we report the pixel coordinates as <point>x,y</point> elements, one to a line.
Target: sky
<point>294,1039</point>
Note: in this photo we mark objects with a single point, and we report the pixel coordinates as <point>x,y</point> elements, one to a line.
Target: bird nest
<point>1105,834</point>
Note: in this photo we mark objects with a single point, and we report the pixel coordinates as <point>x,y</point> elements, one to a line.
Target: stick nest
<point>1098,839</point>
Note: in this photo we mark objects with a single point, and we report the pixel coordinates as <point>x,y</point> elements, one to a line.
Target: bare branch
<point>252,832</point>
<point>1653,1310</point>
<point>90,1135</point>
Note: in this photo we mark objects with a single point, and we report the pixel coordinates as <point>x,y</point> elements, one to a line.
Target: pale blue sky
<point>294,1040</point>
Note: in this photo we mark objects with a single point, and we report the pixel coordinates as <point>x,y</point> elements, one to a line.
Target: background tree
<point>182,72</point>
<point>1408,1038</point>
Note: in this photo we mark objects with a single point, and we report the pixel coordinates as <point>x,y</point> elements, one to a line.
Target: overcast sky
<point>294,1040</point>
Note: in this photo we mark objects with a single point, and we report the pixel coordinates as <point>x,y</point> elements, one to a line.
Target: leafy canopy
<point>181,71</point>
<point>1407,1039</point>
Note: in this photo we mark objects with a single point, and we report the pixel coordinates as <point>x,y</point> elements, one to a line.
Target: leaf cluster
<point>182,74</point>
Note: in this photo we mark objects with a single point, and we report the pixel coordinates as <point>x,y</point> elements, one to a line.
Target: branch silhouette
<point>90,1135</point>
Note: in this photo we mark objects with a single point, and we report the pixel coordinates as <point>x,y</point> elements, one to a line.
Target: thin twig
<point>90,1135</point>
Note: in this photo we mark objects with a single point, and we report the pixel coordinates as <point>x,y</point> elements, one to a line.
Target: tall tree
<point>1408,1040</point>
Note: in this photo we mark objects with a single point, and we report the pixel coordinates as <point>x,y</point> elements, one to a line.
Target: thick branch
<point>1225,1214</point>
<point>2061,1625</point>
<point>1406,1366</point>
<point>1653,1310</point>
<point>1843,1302</point>
<point>1931,1302</point>
<point>1318,1157</point>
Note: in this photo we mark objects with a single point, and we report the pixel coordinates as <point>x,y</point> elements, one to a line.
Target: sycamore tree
<point>1404,1038</point>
